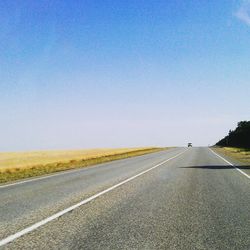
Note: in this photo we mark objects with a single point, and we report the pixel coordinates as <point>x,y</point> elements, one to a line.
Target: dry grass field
<point>241,154</point>
<point>18,165</point>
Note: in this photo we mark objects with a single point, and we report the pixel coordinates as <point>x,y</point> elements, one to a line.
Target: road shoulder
<point>238,160</point>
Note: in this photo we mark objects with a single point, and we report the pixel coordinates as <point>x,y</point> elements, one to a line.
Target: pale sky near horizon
<point>87,74</point>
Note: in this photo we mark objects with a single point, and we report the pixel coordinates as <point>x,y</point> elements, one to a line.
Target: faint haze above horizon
<point>92,74</point>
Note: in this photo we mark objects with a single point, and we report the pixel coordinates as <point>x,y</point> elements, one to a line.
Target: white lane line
<point>47,176</point>
<point>41,178</point>
<point>242,172</point>
<point>55,216</point>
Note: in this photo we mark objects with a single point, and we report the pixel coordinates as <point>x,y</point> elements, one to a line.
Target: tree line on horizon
<point>240,137</point>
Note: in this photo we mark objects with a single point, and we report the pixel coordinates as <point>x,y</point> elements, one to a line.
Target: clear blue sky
<point>84,74</point>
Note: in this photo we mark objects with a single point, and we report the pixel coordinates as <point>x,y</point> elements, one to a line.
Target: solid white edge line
<point>42,177</point>
<point>57,215</point>
<point>39,178</point>
<point>242,172</point>
<point>51,175</point>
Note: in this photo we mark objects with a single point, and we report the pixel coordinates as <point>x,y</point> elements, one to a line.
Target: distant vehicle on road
<point>190,144</point>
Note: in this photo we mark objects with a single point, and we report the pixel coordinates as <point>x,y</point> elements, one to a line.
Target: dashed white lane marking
<point>57,215</point>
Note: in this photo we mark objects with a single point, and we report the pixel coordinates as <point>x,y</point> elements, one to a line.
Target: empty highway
<point>182,198</point>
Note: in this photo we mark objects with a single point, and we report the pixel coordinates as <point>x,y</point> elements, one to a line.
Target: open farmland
<point>18,165</point>
<point>241,154</point>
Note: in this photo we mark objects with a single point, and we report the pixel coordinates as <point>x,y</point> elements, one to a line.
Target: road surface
<point>175,199</point>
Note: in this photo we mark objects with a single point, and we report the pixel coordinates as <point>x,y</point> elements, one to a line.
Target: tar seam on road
<point>242,172</point>
<point>57,215</point>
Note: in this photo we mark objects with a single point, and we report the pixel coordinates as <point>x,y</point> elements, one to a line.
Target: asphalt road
<point>175,199</point>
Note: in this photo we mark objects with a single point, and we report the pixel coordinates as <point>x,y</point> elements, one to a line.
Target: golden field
<point>241,154</point>
<point>18,165</point>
